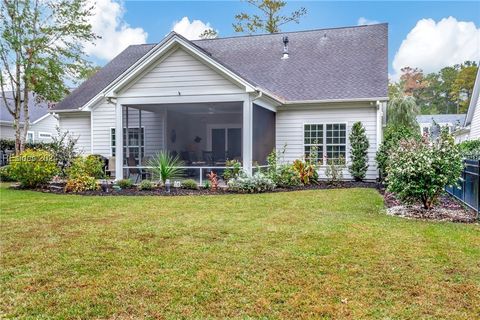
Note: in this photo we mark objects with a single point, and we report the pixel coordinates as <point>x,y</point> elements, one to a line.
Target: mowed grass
<point>330,254</point>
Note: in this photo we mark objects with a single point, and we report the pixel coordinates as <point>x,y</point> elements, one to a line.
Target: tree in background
<point>41,47</point>
<point>462,87</point>
<point>269,19</point>
<point>209,34</point>
<point>446,91</point>
<point>358,152</point>
<point>402,111</point>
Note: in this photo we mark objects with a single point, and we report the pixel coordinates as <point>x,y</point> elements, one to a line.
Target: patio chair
<point>208,157</point>
<point>133,171</point>
<point>110,171</point>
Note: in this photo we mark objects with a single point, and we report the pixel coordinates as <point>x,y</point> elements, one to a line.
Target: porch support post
<point>118,141</point>
<point>247,135</point>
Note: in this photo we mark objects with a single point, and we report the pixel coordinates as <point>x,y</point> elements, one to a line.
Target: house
<point>471,126</point>
<point>428,122</point>
<point>234,98</point>
<point>42,126</point>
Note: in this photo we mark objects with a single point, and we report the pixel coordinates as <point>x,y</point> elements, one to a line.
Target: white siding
<point>7,132</point>
<point>290,129</point>
<point>78,124</point>
<point>180,72</point>
<point>104,120</point>
<point>47,124</point>
<point>475,125</point>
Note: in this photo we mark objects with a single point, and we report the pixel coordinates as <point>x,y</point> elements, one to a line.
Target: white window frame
<point>324,142</point>
<point>47,135</point>
<point>33,136</point>
<point>124,146</point>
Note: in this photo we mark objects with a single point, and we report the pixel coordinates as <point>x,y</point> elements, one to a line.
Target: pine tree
<point>358,152</point>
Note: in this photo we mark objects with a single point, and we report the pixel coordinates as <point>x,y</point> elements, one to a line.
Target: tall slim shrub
<point>358,152</point>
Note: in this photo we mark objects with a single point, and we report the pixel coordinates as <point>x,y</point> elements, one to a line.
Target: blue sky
<point>156,18</point>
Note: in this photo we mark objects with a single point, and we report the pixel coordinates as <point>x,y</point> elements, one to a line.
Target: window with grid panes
<point>313,135</point>
<point>136,144</point>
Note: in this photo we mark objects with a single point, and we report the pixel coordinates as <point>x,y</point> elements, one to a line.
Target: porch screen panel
<point>263,134</point>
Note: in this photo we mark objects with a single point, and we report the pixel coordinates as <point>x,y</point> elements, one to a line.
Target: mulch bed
<point>57,188</point>
<point>447,209</point>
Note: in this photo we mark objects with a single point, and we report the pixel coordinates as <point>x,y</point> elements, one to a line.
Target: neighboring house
<point>471,127</point>
<point>428,122</point>
<point>234,98</point>
<point>42,123</point>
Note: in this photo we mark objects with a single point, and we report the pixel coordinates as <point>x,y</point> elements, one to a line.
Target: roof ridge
<point>290,32</point>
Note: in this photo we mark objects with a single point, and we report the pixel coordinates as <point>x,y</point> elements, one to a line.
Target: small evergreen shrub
<point>81,183</point>
<point>146,185</point>
<point>189,184</point>
<point>33,168</point>
<point>5,174</point>
<point>418,171</point>
<point>251,184</point>
<point>358,152</point>
<point>125,183</point>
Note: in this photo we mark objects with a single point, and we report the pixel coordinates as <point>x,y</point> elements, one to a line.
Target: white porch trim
<point>118,141</point>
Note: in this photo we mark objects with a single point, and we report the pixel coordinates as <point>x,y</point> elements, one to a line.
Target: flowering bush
<point>81,183</point>
<point>33,167</point>
<point>91,166</point>
<point>251,184</point>
<point>419,170</point>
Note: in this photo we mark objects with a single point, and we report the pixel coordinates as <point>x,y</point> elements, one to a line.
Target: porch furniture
<point>110,171</point>
<point>207,156</point>
<point>132,170</point>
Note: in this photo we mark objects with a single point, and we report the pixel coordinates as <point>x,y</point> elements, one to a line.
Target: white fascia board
<point>473,100</point>
<point>140,66</point>
<point>373,99</point>
<point>267,103</point>
<point>41,118</point>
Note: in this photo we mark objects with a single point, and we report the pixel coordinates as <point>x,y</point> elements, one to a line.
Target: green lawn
<point>313,254</point>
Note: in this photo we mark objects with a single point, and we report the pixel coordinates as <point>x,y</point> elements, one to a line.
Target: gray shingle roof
<point>441,118</point>
<point>36,110</point>
<point>324,64</point>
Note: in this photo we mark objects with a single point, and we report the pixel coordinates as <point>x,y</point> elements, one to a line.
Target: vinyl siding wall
<point>475,125</point>
<point>7,131</point>
<point>78,124</point>
<point>180,73</point>
<point>290,129</point>
<point>47,125</point>
<point>104,120</point>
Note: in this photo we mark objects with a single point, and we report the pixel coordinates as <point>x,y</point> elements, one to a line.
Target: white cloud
<point>364,21</point>
<point>432,46</point>
<point>190,30</point>
<point>116,34</point>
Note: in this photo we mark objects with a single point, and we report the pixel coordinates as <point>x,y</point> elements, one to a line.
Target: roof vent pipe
<point>285,47</point>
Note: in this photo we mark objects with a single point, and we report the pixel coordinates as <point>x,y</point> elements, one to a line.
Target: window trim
<point>324,124</point>
<point>48,135</point>
<point>144,140</point>
<point>33,136</point>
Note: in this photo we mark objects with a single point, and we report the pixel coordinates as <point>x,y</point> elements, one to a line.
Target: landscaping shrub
<point>207,184</point>
<point>166,166</point>
<point>146,185</point>
<point>125,183</point>
<point>391,138</point>
<point>470,149</point>
<point>91,166</point>
<point>419,170</point>
<point>189,184</point>
<point>7,144</point>
<point>334,170</point>
<point>33,168</point>
<point>306,171</point>
<point>358,152</point>
<point>234,167</point>
<point>5,174</point>
<point>62,148</point>
<point>213,178</point>
<point>81,183</point>
<point>259,182</point>
<point>282,174</point>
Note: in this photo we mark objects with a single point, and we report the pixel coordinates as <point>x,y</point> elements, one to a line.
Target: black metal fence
<point>468,187</point>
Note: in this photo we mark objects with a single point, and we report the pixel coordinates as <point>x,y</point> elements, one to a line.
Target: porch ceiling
<point>195,108</point>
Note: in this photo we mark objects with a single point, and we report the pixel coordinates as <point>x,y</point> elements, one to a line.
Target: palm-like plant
<point>165,166</point>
